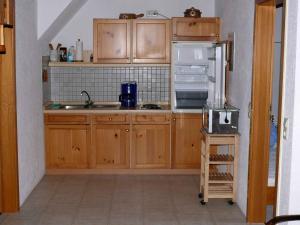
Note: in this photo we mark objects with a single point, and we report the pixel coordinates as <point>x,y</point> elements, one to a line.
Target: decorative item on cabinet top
<point>192,12</point>
<point>128,16</point>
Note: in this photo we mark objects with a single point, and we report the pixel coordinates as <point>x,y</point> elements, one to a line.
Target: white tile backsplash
<point>103,84</point>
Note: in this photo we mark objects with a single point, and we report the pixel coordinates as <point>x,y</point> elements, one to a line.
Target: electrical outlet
<point>152,13</point>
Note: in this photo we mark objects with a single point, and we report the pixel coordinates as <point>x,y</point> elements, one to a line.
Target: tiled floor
<point>121,200</point>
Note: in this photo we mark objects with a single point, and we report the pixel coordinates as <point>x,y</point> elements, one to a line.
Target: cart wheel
<point>203,202</point>
<point>230,202</point>
<point>200,195</point>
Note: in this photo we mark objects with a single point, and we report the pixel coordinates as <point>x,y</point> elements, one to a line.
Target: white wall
<point>81,24</point>
<point>29,99</point>
<point>238,17</point>
<point>48,11</point>
<point>289,179</point>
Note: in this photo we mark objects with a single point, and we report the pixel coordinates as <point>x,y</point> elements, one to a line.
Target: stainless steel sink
<point>105,106</point>
<point>78,107</point>
<point>73,107</point>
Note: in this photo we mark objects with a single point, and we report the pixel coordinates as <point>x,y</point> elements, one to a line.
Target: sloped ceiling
<point>61,20</point>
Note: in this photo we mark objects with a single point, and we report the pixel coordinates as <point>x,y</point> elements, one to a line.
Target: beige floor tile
<point>89,221</point>
<point>195,219</point>
<point>126,219</point>
<point>91,201</point>
<point>20,221</point>
<point>122,200</point>
<point>160,218</point>
<point>48,219</point>
<point>127,208</point>
<point>93,213</point>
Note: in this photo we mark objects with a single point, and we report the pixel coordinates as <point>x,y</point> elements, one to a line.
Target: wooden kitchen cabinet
<point>67,146</point>
<point>111,143</point>
<point>150,146</point>
<point>112,41</point>
<point>148,41</point>
<point>151,41</point>
<point>193,29</point>
<point>186,143</point>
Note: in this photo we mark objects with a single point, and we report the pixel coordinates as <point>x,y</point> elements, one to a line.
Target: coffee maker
<point>128,96</point>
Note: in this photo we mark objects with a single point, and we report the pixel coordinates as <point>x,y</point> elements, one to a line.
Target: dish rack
<point>218,177</point>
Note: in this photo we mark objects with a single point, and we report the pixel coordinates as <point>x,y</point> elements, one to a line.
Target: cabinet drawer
<point>146,118</point>
<point>107,118</point>
<point>65,119</point>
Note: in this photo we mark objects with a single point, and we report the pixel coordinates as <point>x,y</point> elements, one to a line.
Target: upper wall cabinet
<point>151,41</point>
<point>148,41</point>
<point>111,41</point>
<point>194,29</point>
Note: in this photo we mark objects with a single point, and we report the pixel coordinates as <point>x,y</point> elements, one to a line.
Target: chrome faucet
<point>88,102</point>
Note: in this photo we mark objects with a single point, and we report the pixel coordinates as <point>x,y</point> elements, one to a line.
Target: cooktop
<point>150,106</point>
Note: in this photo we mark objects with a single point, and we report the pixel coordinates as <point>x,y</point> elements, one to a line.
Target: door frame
<point>259,194</point>
<point>9,183</point>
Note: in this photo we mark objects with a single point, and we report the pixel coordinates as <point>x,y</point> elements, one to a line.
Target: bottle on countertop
<point>71,54</point>
<point>79,51</point>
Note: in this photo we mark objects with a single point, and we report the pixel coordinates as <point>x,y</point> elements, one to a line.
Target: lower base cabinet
<point>186,145</point>
<point>123,141</point>
<point>151,146</point>
<point>111,143</point>
<point>67,146</point>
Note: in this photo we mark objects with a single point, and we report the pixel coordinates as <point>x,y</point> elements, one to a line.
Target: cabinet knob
<point>110,119</point>
<point>174,119</point>
<point>116,135</point>
<point>127,130</point>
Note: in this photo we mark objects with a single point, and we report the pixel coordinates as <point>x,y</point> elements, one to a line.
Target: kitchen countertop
<point>165,108</point>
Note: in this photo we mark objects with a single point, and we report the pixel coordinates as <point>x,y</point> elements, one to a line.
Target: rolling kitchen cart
<point>218,177</point>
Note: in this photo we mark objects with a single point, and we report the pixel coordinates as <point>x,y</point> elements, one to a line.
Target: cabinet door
<point>202,29</point>
<point>151,146</point>
<point>151,41</point>
<point>111,41</point>
<point>67,146</point>
<point>186,141</point>
<point>111,143</point>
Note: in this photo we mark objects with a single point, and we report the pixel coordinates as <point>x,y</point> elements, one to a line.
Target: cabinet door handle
<point>109,118</point>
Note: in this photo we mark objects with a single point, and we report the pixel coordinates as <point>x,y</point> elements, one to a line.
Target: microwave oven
<point>220,119</point>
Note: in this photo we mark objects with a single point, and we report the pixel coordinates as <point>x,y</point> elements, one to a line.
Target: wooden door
<point>111,41</point>
<point>193,29</point>
<point>111,143</point>
<point>8,126</point>
<point>67,146</point>
<point>151,146</point>
<point>261,105</point>
<point>151,41</point>
<point>186,148</point>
